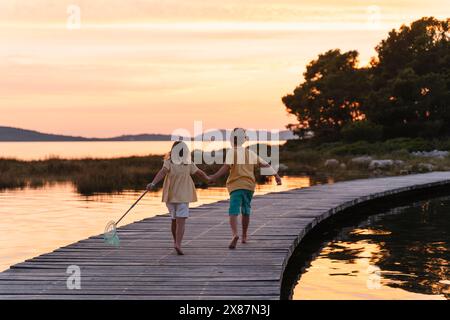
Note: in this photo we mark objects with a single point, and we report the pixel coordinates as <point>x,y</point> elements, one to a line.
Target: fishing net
<point>110,235</point>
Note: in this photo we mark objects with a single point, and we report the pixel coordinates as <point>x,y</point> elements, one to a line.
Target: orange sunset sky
<point>153,66</point>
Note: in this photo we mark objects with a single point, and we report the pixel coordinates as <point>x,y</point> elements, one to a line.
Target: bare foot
<point>233,242</point>
<point>179,251</point>
<point>244,239</point>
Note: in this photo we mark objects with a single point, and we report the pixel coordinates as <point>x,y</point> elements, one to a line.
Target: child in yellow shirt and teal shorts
<point>240,164</point>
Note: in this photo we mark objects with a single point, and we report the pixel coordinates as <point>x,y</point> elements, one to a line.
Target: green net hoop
<point>110,235</point>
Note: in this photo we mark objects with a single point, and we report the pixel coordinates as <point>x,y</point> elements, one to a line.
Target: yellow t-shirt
<point>242,164</point>
<point>178,185</point>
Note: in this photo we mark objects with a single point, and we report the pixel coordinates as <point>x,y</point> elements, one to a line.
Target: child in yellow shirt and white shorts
<point>178,188</point>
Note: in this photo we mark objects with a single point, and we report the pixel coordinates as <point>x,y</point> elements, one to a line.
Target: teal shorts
<point>240,202</point>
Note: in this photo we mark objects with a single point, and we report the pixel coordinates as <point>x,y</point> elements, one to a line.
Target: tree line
<point>404,92</point>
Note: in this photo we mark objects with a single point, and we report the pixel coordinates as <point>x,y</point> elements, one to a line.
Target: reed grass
<point>88,175</point>
<point>91,176</point>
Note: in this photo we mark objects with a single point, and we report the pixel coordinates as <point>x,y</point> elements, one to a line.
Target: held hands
<point>210,179</point>
<point>151,186</point>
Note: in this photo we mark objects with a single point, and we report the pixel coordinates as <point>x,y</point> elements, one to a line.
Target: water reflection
<point>38,150</point>
<point>399,254</point>
<point>39,220</point>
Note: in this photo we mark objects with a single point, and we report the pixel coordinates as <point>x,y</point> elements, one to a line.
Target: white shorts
<point>178,210</point>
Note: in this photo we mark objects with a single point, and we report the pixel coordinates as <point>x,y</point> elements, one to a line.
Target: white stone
<point>362,161</point>
<point>425,167</point>
<point>431,154</point>
<point>331,163</point>
<point>381,164</point>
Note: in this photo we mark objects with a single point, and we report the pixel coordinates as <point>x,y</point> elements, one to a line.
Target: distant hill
<point>260,134</point>
<point>140,137</point>
<point>16,134</point>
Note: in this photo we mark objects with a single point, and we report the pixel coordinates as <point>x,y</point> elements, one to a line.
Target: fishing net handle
<point>134,204</point>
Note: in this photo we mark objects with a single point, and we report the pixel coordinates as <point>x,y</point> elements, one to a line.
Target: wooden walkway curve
<point>145,266</point>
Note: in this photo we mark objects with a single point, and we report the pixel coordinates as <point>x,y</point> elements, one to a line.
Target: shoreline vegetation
<point>362,159</point>
<point>334,161</point>
<point>89,176</point>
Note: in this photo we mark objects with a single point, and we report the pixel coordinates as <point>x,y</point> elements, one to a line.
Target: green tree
<point>410,93</point>
<point>406,90</point>
<point>330,96</point>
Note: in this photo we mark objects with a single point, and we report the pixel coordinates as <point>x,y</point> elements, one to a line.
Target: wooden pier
<point>146,267</point>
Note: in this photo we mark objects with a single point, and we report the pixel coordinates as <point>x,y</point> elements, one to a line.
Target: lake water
<point>36,221</point>
<point>99,149</point>
<point>402,253</point>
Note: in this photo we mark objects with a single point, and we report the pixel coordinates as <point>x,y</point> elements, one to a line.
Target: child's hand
<point>278,180</point>
<point>150,186</point>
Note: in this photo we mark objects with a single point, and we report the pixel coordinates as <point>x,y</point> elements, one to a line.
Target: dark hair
<point>236,138</point>
<point>181,151</point>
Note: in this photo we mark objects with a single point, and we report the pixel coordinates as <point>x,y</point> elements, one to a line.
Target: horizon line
<point>141,134</point>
